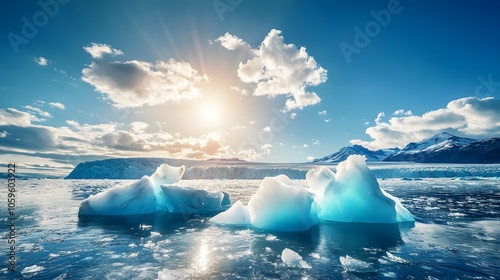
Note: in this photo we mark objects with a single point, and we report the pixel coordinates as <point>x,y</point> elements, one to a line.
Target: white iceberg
<point>351,264</point>
<point>160,192</point>
<point>354,195</point>
<point>236,215</point>
<point>279,204</point>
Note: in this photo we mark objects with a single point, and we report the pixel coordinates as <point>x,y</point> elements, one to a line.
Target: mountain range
<point>441,148</point>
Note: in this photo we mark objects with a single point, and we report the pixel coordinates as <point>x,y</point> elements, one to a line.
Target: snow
<point>160,192</point>
<point>293,259</point>
<point>236,215</point>
<point>354,195</point>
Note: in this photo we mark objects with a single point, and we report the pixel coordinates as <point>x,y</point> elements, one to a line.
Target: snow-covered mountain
<point>440,148</point>
<point>447,148</point>
<point>345,152</point>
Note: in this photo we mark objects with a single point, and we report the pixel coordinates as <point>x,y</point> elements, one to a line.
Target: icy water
<point>456,236</point>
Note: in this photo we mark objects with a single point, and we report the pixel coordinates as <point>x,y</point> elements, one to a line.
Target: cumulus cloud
<point>98,50</point>
<point>277,69</point>
<point>267,128</point>
<point>468,116</point>
<point>42,61</point>
<point>293,115</point>
<point>12,116</point>
<point>231,42</point>
<point>57,105</point>
<point>322,113</point>
<point>137,83</point>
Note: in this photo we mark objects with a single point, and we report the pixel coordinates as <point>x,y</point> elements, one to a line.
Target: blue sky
<point>276,81</point>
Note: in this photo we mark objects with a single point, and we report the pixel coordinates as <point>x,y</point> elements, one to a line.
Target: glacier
<point>159,192</point>
<point>350,195</point>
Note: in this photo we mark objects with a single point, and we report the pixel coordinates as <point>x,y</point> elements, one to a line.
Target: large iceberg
<point>354,195</point>
<point>160,192</point>
<point>279,205</point>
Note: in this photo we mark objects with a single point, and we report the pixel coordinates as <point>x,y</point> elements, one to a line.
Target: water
<point>456,236</point>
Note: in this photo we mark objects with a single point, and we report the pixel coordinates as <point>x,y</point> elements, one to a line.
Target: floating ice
<point>236,215</point>
<point>160,192</point>
<point>293,259</point>
<point>278,205</point>
<point>353,195</point>
<point>281,205</point>
<point>353,265</point>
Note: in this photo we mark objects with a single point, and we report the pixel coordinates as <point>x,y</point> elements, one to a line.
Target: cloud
<point>137,83</point>
<point>293,115</point>
<point>12,116</point>
<point>57,105</point>
<point>279,69</point>
<point>98,50</point>
<point>31,138</point>
<point>470,116</point>
<point>310,158</point>
<point>231,42</point>
<point>38,111</point>
<point>402,112</point>
<point>267,128</point>
<point>316,142</point>
<point>42,61</point>
<point>327,120</point>
<point>239,90</point>
<point>322,113</point>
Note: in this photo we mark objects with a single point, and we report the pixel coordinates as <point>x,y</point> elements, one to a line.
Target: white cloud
<point>252,122</point>
<point>12,116</point>
<point>231,42</point>
<point>305,146</point>
<point>327,120</point>
<point>316,142</point>
<point>310,158</point>
<point>239,90</point>
<point>366,123</point>
<point>280,69</point>
<point>402,112</point>
<point>57,105</point>
<point>379,117</point>
<point>293,115</point>
<point>138,127</point>
<point>97,50</point>
<point>3,134</point>
<point>38,111</point>
<point>322,113</point>
<point>468,116</point>
<point>42,61</point>
<point>137,83</point>
<point>267,128</point>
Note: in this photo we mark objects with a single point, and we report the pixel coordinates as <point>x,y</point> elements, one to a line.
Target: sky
<point>267,81</point>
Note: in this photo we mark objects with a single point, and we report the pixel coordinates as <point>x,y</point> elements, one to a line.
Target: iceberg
<point>352,194</point>
<point>160,192</point>
<point>279,205</point>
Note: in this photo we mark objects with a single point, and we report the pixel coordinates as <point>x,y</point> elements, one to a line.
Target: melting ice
<point>352,194</point>
<point>160,192</point>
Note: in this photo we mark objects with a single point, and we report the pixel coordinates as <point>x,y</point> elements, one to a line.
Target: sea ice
<point>293,259</point>
<point>236,215</point>
<point>353,265</point>
<point>354,195</point>
<point>281,205</point>
<point>160,192</point>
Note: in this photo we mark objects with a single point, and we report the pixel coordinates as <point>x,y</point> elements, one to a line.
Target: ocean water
<point>456,236</point>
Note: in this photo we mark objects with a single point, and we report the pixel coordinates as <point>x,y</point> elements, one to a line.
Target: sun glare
<point>210,113</point>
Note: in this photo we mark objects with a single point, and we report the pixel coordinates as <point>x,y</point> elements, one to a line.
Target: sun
<point>210,113</point>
